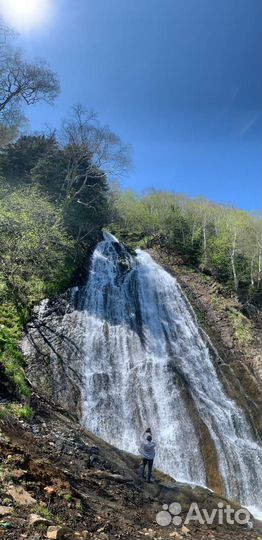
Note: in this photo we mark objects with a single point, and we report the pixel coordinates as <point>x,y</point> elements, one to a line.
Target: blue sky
<point>179,80</point>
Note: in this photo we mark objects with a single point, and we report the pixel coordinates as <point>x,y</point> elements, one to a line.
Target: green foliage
<point>42,511</point>
<point>78,504</point>
<point>2,412</point>
<point>36,258</point>
<point>179,236</point>
<point>242,328</point>
<point>66,176</point>
<point>132,214</point>
<point>20,411</point>
<point>17,160</point>
<point>35,249</point>
<point>219,258</point>
<point>68,497</point>
<point>11,359</point>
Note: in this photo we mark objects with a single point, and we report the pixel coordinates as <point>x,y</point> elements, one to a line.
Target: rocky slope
<point>59,481</point>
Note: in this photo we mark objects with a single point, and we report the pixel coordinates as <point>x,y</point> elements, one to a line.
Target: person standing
<point>148,453</point>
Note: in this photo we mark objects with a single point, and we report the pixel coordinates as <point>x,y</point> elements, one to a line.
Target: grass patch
<point>241,328</point>
<point>68,497</point>
<point>3,412</point>
<point>11,359</point>
<point>42,511</point>
<point>23,412</point>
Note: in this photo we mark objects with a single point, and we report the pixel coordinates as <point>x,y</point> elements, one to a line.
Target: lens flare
<point>25,14</point>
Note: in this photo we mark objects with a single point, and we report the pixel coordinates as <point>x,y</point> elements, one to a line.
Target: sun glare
<point>25,14</point>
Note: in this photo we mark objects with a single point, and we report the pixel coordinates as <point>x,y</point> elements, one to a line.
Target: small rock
<point>20,496</point>
<point>16,474</point>
<point>85,535</point>
<point>58,533</point>
<point>185,530</point>
<point>150,533</point>
<point>49,490</point>
<point>5,510</point>
<point>176,535</point>
<point>35,519</point>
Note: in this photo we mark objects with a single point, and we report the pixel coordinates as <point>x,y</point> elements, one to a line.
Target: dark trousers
<point>149,463</point>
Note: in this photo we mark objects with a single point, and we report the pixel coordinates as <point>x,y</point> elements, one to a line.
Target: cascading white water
<point>145,361</point>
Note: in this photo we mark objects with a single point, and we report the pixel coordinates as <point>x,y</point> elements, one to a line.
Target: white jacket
<point>148,449</point>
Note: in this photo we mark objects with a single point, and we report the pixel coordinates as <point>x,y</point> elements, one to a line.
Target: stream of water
<point>147,364</point>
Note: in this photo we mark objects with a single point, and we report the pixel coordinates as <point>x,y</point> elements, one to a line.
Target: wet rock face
<point>52,348</point>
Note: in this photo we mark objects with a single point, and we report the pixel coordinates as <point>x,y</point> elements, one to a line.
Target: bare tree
<point>95,151</point>
<point>20,83</point>
<point>5,34</point>
<point>24,82</point>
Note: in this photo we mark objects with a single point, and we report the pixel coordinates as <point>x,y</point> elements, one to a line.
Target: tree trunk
<point>204,228</point>
<point>232,257</point>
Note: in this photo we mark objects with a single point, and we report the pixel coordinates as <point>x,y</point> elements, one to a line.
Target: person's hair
<point>149,438</point>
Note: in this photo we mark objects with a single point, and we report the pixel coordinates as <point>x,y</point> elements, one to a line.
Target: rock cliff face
<point>52,347</point>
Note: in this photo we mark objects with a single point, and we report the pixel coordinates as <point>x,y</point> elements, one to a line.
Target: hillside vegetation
<point>219,240</point>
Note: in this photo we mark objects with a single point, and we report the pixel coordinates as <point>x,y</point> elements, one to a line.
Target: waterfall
<point>146,361</point>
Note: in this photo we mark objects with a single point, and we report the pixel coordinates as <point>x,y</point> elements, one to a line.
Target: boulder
<point>20,496</point>
<point>16,474</point>
<point>59,533</point>
<point>35,519</point>
<point>5,510</point>
<point>185,530</point>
